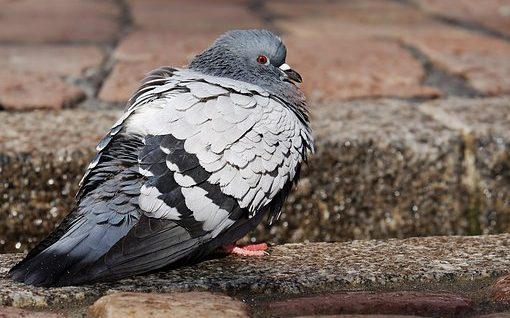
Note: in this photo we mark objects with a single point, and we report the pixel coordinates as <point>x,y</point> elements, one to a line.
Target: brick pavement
<point>99,50</point>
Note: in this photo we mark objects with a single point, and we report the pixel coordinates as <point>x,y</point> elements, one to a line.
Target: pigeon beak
<point>291,74</point>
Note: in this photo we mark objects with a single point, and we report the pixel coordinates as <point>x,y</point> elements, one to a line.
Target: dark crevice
<point>449,84</point>
<point>471,26</point>
<point>92,81</point>
<point>464,24</point>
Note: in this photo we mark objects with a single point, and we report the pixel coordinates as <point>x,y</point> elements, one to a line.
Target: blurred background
<point>409,99</point>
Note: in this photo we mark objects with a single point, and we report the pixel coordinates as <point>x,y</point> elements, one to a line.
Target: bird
<point>200,155</point>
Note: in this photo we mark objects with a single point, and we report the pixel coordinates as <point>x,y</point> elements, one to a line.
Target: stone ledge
<point>42,158</point>
<point>460,264</point>
<point>383,168</point>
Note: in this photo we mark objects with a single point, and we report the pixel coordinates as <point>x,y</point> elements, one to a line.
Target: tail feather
<point>87,254</point>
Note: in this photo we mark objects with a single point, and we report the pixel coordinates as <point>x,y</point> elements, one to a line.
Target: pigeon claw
<point>248,250</point>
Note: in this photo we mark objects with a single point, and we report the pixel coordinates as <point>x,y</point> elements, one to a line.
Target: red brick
<point>482,60</point>
<point>492,14</point>
<point>59,21</point>
<point>202,15</point>
<point>501,290</point>
<point>367,12</point>
<point>142,51</point>
<point>336,68</point>
<point>26,91</point>
<point>337,48</point>
<point>123,80</point>
<point>172,47</point>
<point>400,302</point>
<point>364,316</point>
<point>49,58</point>
<point>33,76</point>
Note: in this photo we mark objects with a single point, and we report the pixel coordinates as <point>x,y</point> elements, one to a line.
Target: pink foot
<point>248,250</point>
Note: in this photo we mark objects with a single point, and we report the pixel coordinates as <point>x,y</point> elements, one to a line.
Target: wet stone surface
<point>154,305</point>
<point>42,158</point>
<point>383,168</point>
<point>452,263</point>
<point>402,302</point>
<point>485,124</point>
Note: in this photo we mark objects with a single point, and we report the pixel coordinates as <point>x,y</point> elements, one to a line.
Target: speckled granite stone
<point>485,124</point>
<point>42,158</point>
<point>383,168</point>
<point>296,269</point>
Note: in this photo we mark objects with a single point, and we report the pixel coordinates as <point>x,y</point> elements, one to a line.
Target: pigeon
<point>197,159</point>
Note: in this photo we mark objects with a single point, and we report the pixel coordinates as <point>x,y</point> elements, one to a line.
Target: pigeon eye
<point>262,59</point>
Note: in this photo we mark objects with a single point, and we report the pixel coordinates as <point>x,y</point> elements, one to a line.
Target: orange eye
<point>262,59</point>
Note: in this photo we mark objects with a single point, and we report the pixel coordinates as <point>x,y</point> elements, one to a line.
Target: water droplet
<point>51,181</point>
<point>54,212</point>
<point>18,245</point>
<point>415,208</point>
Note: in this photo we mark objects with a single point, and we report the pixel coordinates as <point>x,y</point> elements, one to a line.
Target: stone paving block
<point>482,60</point>
<point>492,14</point>
<point>124,79</point>
<point>205,15</point>
<point>382,169</point>
<point>37,76</point>
<point>26,90</point>
<point>501,290</point>
<point>354,68</point>
<point>142,51</point>
<point>485,123</point>
<point>398,303</point>
<point>30,21</point>
<point>458,264</point>
<point>174,47</point>
<point>42,158</point>
<point>355,62</point>
<point>152,305</point>
<point>12,312</point>
<point>63,60</point>
<point>354,13</point>
<point>361,316</point>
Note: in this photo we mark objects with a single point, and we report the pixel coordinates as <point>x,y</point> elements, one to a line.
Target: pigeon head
<point>253,56</point>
